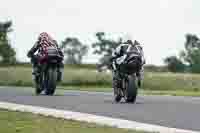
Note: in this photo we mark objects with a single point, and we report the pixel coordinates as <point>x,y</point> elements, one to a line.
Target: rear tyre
<point>51,81</point>
<point>131,89</point>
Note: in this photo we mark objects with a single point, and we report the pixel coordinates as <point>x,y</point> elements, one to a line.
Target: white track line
<point>91,118</point>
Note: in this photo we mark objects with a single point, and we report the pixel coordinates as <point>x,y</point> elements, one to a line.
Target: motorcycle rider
<point>44,43</point>
<point>119,57</point>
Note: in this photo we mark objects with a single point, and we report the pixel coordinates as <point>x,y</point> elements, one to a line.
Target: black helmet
<point>136,42</point>
<point>129,41</point>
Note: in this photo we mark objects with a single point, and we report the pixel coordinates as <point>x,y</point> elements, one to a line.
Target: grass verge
<point>171,93</point>
<point>17,122</point>
<point>141,91</point>
<point>90,80</point>
<point>61,90</point>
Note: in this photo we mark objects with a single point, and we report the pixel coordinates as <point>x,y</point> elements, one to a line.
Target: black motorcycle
<point>46,80</point>
<point>126,86</point>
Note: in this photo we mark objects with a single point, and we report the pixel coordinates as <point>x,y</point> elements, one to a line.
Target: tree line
<point>74,50</point>
<point>188,59</point>
<point>7,53</point>
<point>72,47</point>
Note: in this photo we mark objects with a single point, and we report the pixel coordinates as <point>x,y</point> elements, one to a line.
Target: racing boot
<point>59,78</point>
<point>35,70</point>
<point>139,75</point>
<point>60,71</point>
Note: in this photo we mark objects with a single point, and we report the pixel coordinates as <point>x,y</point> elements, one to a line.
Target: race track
<point>169,111</point>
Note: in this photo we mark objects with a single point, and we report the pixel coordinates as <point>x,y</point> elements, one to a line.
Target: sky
<point>160,25</point>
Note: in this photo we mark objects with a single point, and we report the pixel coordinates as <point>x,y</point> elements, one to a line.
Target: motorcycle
<point>126,87</point>
<point>46,80</point>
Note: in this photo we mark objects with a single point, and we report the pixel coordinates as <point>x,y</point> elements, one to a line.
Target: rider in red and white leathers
<point>44,43</point>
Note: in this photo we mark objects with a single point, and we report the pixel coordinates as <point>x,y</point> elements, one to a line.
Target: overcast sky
<point>160,25</point>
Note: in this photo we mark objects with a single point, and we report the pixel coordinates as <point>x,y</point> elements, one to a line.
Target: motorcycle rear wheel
<point>51,81</point>
<point>131,89</point>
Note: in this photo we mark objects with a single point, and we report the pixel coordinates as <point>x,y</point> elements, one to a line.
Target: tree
<point>74,50</point>
<point>174,64</point>
<point>7,53</point>
<point>191,54</point>
<point>104,47</point>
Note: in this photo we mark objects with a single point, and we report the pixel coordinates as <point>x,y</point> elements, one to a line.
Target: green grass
<point>170,92</point>
<point>141,91</point>
<point>87,88</point>
<point>17,122</point>
<point>89,78</point>
<point>61,91</point>
<point>172,81</point>
<point>21,76</point>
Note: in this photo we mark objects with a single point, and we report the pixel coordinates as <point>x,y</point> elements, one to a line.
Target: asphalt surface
<point>169,111</point>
